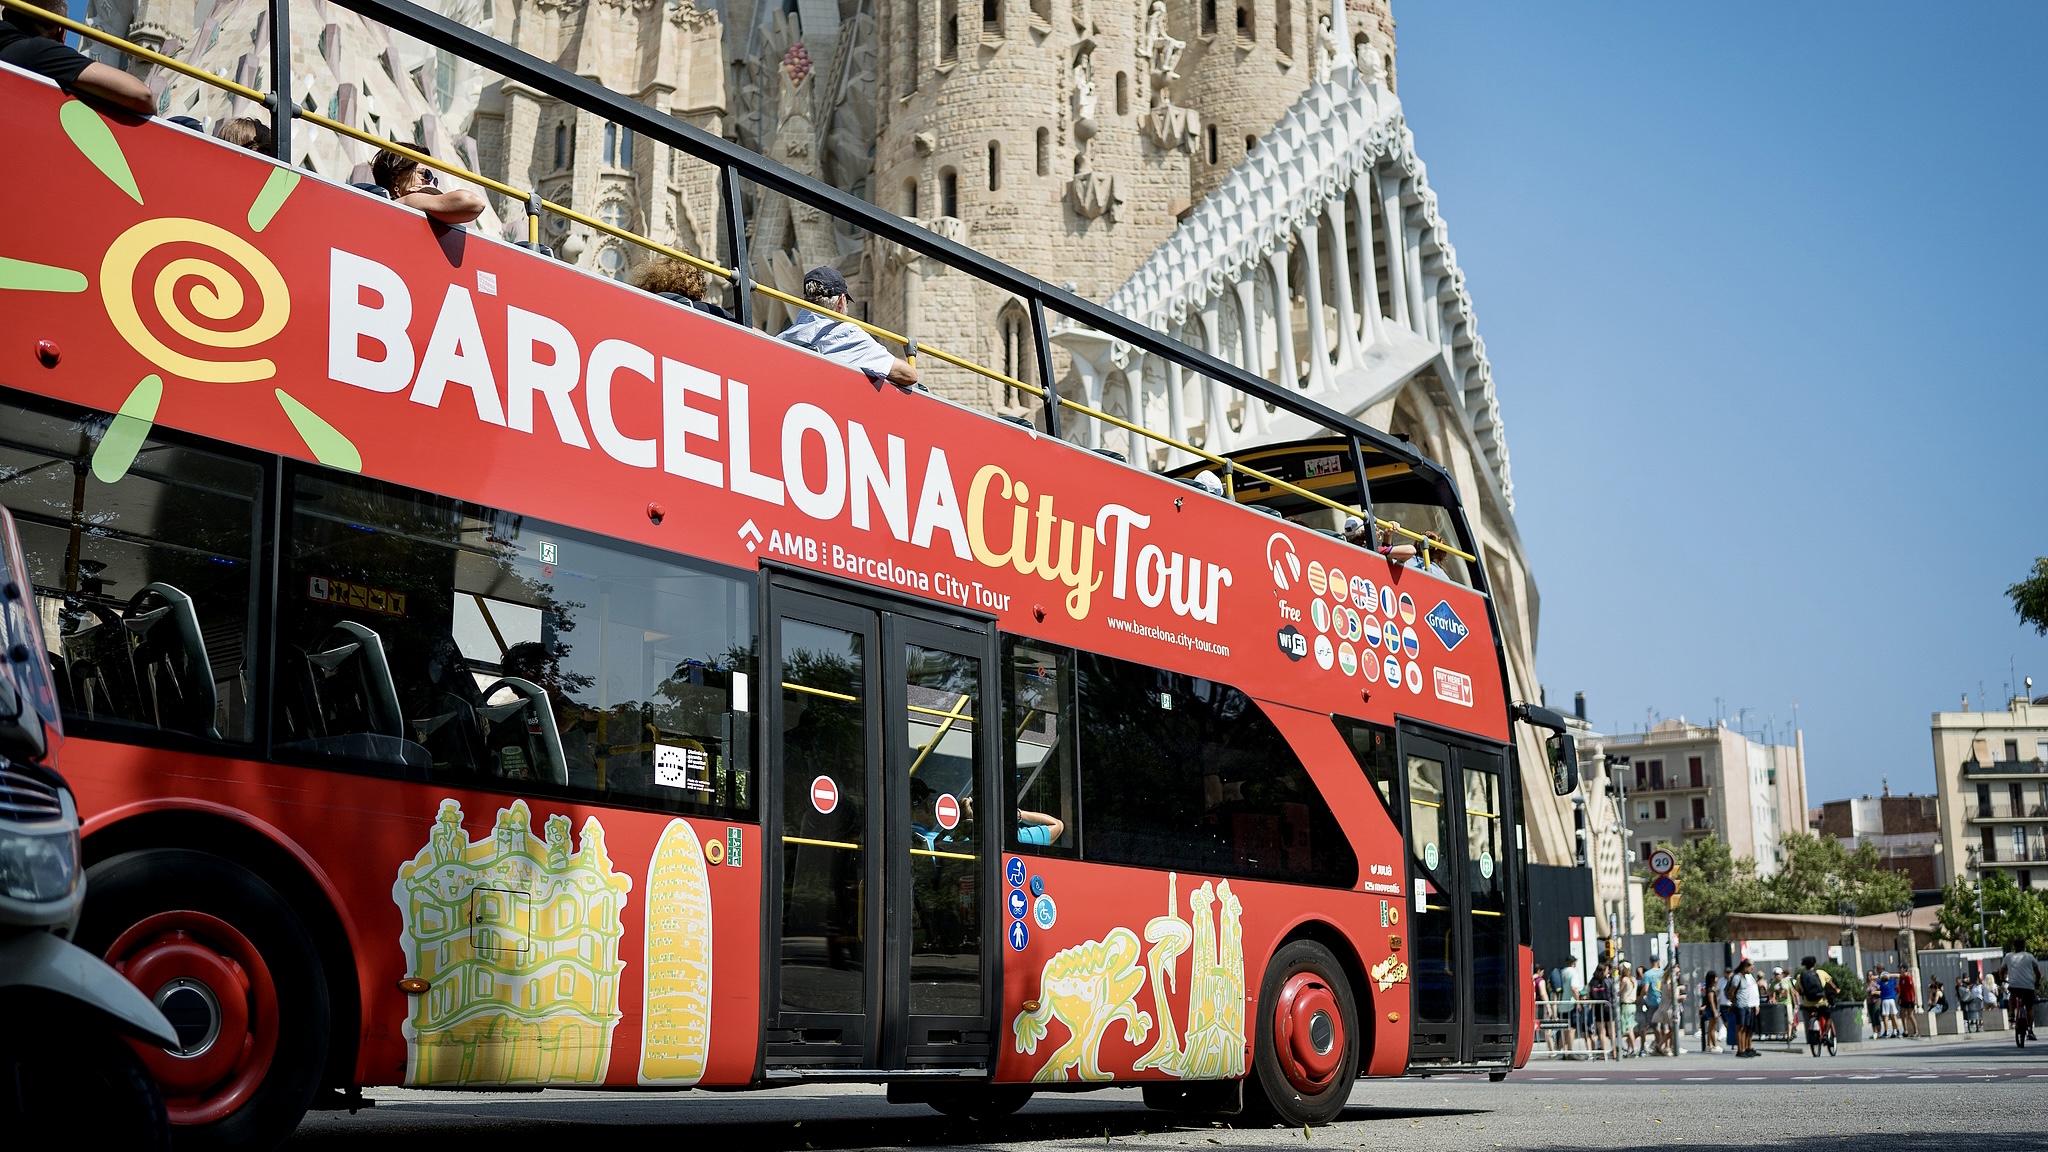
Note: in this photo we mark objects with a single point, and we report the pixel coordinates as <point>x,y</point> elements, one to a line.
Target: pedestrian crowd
<point>1620,1010</point>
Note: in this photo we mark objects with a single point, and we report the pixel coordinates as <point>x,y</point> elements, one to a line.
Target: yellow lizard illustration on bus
<point>1086,988</point>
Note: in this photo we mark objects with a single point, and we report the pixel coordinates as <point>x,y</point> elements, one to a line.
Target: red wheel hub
<point>1308,1030</point>
<point>213,985</point>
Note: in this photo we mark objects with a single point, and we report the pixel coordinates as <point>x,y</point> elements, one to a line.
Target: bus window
<point>1038,715</point>
<point>446,641</point>
<point>1189,774</point>
<point>1424,519</point>
<point>145,580</point>
<point>1374,748</point>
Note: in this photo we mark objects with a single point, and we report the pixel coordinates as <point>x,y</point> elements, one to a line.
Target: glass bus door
<point>1461,924</point>
<point>879,750</point>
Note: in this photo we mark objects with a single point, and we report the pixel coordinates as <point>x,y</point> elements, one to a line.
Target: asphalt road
<point>1983,1096</point>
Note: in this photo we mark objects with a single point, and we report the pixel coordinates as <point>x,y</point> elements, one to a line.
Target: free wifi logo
<point>191,297</point>
<point>1281,561</point>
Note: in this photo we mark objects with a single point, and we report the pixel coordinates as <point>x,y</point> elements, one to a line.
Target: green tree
<point>1818,874</point>
<point>2009,911</point>
<point>1713,884</point>
<point>2030,597</point>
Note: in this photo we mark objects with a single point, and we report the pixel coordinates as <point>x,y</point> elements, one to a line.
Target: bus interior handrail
<point>736,161</point>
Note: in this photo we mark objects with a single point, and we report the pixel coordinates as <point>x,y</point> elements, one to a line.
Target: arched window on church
<point>995,166</point>
<point>1212,143</point>
<point>1123,94</point>
<point>913,42</point>
<point>949,31</point>
<point>1208,17</point>
<point>561,145</point>
<point>1018,353</point>
<point>992,19</point>
<point>1045,151</point>
<point>949,192</point>
<point>1283,27</point>
<point>1249,143</point>
<point>1245,31</point>
<point>1041,13</point>
<point>910,198</point>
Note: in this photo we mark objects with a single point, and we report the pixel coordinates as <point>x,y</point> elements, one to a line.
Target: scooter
<point>67,1071</point>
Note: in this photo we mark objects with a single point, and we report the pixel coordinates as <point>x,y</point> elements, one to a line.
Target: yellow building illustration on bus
<point>676,1032</point>
<point>518,939</point>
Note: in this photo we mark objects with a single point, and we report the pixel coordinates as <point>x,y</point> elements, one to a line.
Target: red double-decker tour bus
<point>480,673</point>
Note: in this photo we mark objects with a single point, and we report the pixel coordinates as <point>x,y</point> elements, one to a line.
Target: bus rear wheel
<point>1306,1056</point>
<point>235,971</point>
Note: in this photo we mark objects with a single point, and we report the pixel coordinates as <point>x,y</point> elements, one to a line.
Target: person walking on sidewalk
<point>1710,1013</point>
<point>1907,1003</point>
<point>1888,1004</point>
<point>1746,1005</point>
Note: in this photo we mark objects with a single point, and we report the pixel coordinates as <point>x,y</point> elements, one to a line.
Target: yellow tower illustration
<point>518,940</point>
<point>676,1038</point>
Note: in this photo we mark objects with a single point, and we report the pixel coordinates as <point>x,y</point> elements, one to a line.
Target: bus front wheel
<point>233,968</point>
<point>1306,1056</point>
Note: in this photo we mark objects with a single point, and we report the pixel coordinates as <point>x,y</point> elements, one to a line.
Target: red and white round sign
<point>947,810</point>
<point>1661,862</point>
<point>824,794</point>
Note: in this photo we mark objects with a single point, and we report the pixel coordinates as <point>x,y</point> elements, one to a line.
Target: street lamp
<point>1852,943</point>
<point>1977,871</point>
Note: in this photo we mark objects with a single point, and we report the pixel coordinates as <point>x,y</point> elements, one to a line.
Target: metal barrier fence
<point>736,164</point>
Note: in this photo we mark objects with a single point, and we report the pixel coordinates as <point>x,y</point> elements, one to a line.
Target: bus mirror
<point>1564,764</point>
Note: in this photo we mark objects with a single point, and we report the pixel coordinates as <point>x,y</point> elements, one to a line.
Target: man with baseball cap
<point>836,339</point>
<point>37,45</point>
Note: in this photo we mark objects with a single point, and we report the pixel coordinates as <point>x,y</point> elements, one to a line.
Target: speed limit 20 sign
<point>1662,862</point>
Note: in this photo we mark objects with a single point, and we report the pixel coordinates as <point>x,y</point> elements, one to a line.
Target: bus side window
<point>145,583</point>
<point>1373,746</point>
<point>1189,774</point>
<point>1038,711</point>
<point>441,640</point>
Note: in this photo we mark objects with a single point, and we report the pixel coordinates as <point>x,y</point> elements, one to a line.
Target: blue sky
<point>1762,286</point>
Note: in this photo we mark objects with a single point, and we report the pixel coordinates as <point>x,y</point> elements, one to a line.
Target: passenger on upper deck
<point>38,46</point>
<point>246,132</point>
<point>411,183</point>
<point>678,282</point>
<point>836,339</point>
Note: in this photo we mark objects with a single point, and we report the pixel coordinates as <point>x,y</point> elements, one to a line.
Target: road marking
<point>1749,1077</point>
<point>1923,1076</point>
<point>1699,1077</point>
<point>1584,1079</point>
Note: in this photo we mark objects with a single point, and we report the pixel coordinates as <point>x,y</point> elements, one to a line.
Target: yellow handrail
<point>1429,544</point>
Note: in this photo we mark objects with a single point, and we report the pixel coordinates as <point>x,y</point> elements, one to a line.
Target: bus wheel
<point>1306,1057</point>
<point>235,971</point>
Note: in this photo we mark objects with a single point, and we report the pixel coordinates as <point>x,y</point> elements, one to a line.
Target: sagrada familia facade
<point>1237,173</point>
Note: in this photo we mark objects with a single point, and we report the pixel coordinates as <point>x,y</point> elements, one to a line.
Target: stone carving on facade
<point>1166,124</point>
<point>1092,194</point>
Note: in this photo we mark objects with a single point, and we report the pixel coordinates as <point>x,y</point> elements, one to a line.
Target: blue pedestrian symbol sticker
<point>1019,935</point>
<point>1044,913</point>
<point>1015,868</point>
<point>1018,903</point>
<point>1038,885</point>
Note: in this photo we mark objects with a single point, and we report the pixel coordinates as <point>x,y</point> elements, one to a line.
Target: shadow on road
<point>424,1128</point>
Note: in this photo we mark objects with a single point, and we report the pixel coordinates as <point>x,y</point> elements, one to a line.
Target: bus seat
<point>522,731</point>
<point>101,666</point>
<point>172,672</point>
<point>352,702</point>
<point>452,733</point>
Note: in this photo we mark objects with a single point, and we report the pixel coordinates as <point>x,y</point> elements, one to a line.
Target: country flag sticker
<point>1372,631</point>
<point>1393,669</point>
<point>1410,642</point>
<point>1326,654</point>
<point>1392,632</point>
<point>1320,613</point>
<point>1318,580</point>
<point>1407,608</point>
<point>1363,595</point>
<point>1347,659</point>
<point>1337,583</point>
<point>1371,667</point>
<point>1415,677</point>
<point>1386,601</point>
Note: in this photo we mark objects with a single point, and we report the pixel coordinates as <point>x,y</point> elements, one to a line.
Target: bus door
<point>878,760</point>
<point>1462,931</point>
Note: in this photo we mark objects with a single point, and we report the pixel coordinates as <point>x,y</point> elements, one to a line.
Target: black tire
<point>68,1080</point>
<point>985,1102</point>
<point>127,889</point>
<point>1271,1096</point>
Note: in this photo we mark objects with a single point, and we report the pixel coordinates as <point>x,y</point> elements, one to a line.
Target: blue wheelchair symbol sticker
<point>1015,869</point>
<point>1044,912</point>
<point>1038,885</point>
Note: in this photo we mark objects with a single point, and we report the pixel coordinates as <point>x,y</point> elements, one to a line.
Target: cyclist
<point>2022,976</point>
<point>1816,996</point>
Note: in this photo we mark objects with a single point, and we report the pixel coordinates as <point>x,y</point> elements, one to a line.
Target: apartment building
<point>1991,791</point>
<point>1686,781</point>
<point>1906,830</point>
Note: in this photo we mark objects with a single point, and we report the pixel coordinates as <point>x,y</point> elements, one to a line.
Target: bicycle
<point>1820,1028</point>
<point>2022,1016</point>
